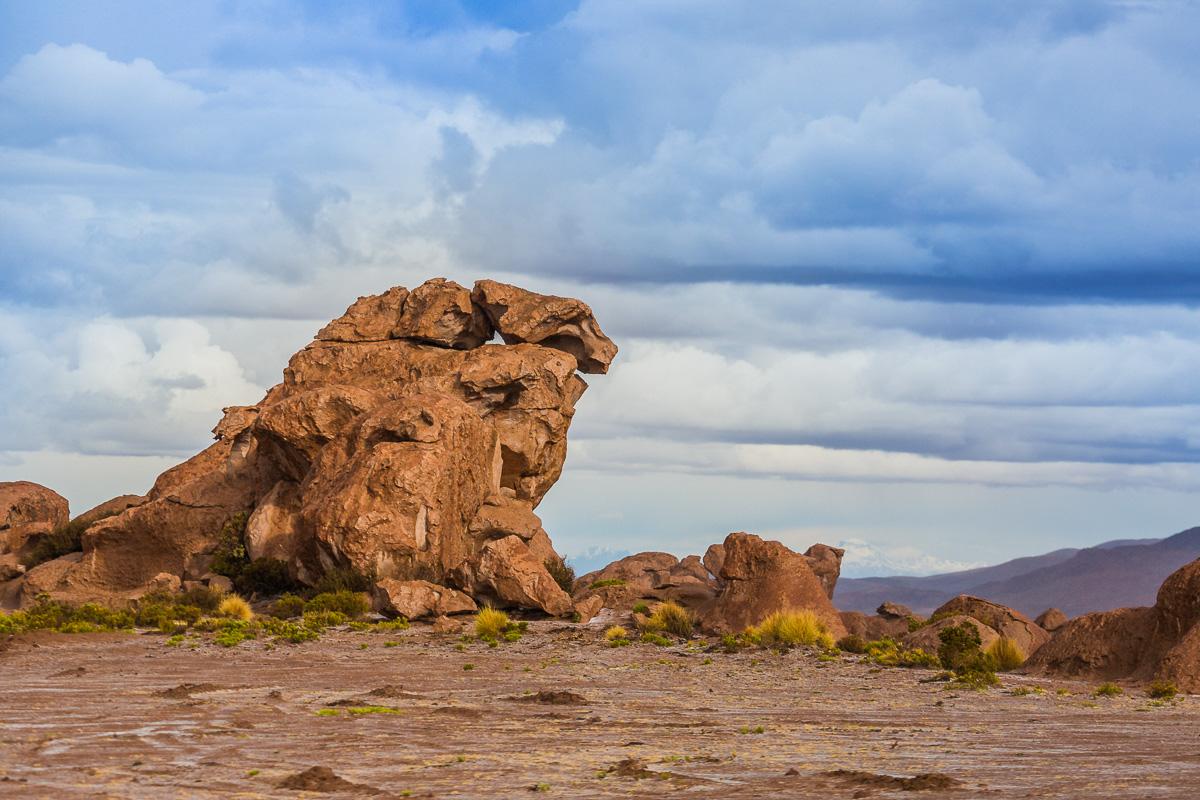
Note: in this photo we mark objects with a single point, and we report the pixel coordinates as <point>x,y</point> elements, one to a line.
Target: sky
<point>920,279</point>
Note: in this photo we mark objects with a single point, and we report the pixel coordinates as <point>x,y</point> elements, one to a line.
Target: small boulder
<point>714,559</point>
<point>1028,635</point>
<point>419,599</point>
<point>589,607</point>
<point>927,638</point>
<point>1051,620</point>
<point>27,511</point>
<point>873,627</point>
<point>10,567</point>
<point>368,319</point>
<point>505,573</point>
<point>447,625</point>
<point>440,312</point>
<point>642,570</point>
<point>219,582</point>
<point>890,610</point>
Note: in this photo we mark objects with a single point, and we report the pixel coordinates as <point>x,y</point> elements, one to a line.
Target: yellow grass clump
<point>673,618</point>
<point>795,627</point>
<point>1006,654</point>
<point>490,623</point>
<point>234,607</point>
<point>614,633</point>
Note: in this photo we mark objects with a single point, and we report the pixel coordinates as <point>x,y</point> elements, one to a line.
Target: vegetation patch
<point>350,604</point>
<point>562,572</point>
<point>1006,654</point>
<point>672,618</point>
<point>1161,690</point>
<point>793,628</point>
<point>607,582</point>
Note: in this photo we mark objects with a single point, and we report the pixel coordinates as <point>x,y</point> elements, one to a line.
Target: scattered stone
<point>323,779</point>
<point>447,625</point>
<point>1051,620</point>
<point>419,599</point>
<point>185,690</point>
<point>554,698</point>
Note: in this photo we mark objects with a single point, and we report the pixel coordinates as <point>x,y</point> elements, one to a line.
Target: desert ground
<point>122,715</point>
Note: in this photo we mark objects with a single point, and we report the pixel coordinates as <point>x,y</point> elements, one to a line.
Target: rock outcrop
<point>27,512</point>
<point>826,564</point>
<point>928,638</point>
<point>762,577</point>
<point>399,444</point>
<point>1051,620</point>
<point>1028,635</point>
<point>1161,642</point>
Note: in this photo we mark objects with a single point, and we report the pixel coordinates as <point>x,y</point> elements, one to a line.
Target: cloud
<point>864,558</point>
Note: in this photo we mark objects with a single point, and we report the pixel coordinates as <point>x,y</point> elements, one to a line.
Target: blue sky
<point>920,279</point>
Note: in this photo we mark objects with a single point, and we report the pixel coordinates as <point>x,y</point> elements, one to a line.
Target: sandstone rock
<point>110,508</point>
<point>219,582</point>
<point>873,627</point>
<point>419,599</point>
<point>447,625</point>
<point>167,581</point>
<point>10,567</point>
<point>196,566</point>
<point>504,573</point>
<point>890,610</point>
<point>559,322</point>
<point>762,577</point>
<point>28,510</point>
<point>826,564</point>
<point>368,319</point>
<point>692,568</point>
<point>512,519</point>
<point>440,312</point>
<point>1051,620</point>
<point>1005,621</point>
<point>274,529</point>
<point>643,570</point>
<point>292,431</point>
<point>54,577</point>
<point>589,607</point>
<point>927,639</point>
<point>714,559</point>
<point>689,591</point>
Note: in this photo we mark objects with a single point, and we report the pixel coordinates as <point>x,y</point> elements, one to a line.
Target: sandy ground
<point>127,716</point>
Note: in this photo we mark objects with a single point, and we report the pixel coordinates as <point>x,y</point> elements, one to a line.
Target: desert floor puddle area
<point>417,714</point>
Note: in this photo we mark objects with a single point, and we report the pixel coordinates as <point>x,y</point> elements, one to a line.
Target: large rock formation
<point>1161,642</point>
<point>1028,635</point>
<point>399,444</point>
<point>27,512</point>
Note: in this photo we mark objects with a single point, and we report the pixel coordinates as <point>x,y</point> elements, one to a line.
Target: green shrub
<point>234,607</point>
<point>960,644</point>
<point>562,572</point>
<point>673,618</point>
<point>1162,690</point>
<point>608,582</point>
<point>266,576</point>
<point>851,644</point>
<point>654,638</point>
<point>1006,654</point>
<point>342,579</point>
<point>794,627</point>
<point>205,598</point>
<point>66,538</point>
<point>641,608</point>
<point>319,620</point>
<point>229,559</point>
<point>1108,690</point>
<point>287,607</point>
<point>888,653</point>
<point>351,604</point>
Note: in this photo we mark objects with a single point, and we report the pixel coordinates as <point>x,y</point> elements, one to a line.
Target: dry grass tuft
<point>615,632</point>
<point>234,607</point>
<point>490,623</point>
<point>672,618</point>
<point>1006,654</point>
<point>795,627</point>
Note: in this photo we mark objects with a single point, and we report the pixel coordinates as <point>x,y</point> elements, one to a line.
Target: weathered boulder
<point>762,577</point>
<point>440,312</point>
<point>110,508</point>
<point>559,322</point>
<point>1028,635</point>
<point>714,559</point>
<point>368,319</point>
<point>927,638</point>
<point>589,607</point>
<point>826,564</point>
<point>399,444</point>
<point>10,567</point>
<point>1051,620</point>
<point>643,570</point>
<point>419,599</point>
<point>890,610</point>
<point>27,511</point>
<point>872,627</point>
<point>505,573</point>
<point>1137,644</point>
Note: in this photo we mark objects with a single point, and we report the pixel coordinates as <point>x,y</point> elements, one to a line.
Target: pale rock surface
<point>274,529</point>
<point>589,607</point>
<point>419,599</point>
<point>505,573</point>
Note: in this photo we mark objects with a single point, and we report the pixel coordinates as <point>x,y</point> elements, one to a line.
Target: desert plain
<point>557,713</point>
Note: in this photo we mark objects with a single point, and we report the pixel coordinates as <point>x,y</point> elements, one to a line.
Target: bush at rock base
<point>352,604</point>
<point>793,628</point>
<point>1006,654</point>
<point>672,618</point>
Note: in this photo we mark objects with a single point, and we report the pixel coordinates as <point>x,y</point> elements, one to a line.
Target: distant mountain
<point>1125,572</point>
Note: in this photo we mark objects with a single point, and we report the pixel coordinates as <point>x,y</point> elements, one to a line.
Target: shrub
<point>641,608</point>
<point>205,598</point>
<point>351,604</point>
<point>265,575</point>
<point>1006,654</point>
<point>229,559</point>
<point>66,538</point>
<point>287,607</point>
<point>1162,690</point>
<point>887,653</point>
<point>1108,690</point>
<point>234,607</point>
<point>615,632</point>
<point>562,572</point>
<point>795,627</point>
<point>654,638</point>
<point>490,623</point>
<point>960,644</point>
<point>319,620</point>
<point>342,579</point>
<point>673,618</point>
<point>851,643</point>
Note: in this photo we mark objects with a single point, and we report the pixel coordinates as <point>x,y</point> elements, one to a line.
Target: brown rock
<point>165,580</point>
<point>274,529</point>
<point>196,566</point>
<point>1051,620</point>
<point>643,570</point>
<point>440,312</point>
<point>691,567</point>
<point>219,582</point>
<point>1111,645</point>
<point>559,322</point>
<point>10,567</point>
<point>292,431</point>
<point>927,639</point>
<point>890,610</point>
<point>826,564</point>
<point>763,577</point>
<point>28,510</point>
<point>368,319</point>
<point>873,627</point>
<point>714,559</point>
<point>589,607</point>
<point>419,599</point>
<point>511,519</point>
<point>1028,635</point>
<point>110,508</point>
<point>504,573</point>
<point>447,625</point>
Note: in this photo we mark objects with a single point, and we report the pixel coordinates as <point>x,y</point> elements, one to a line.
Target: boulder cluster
<point>400,445</point>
